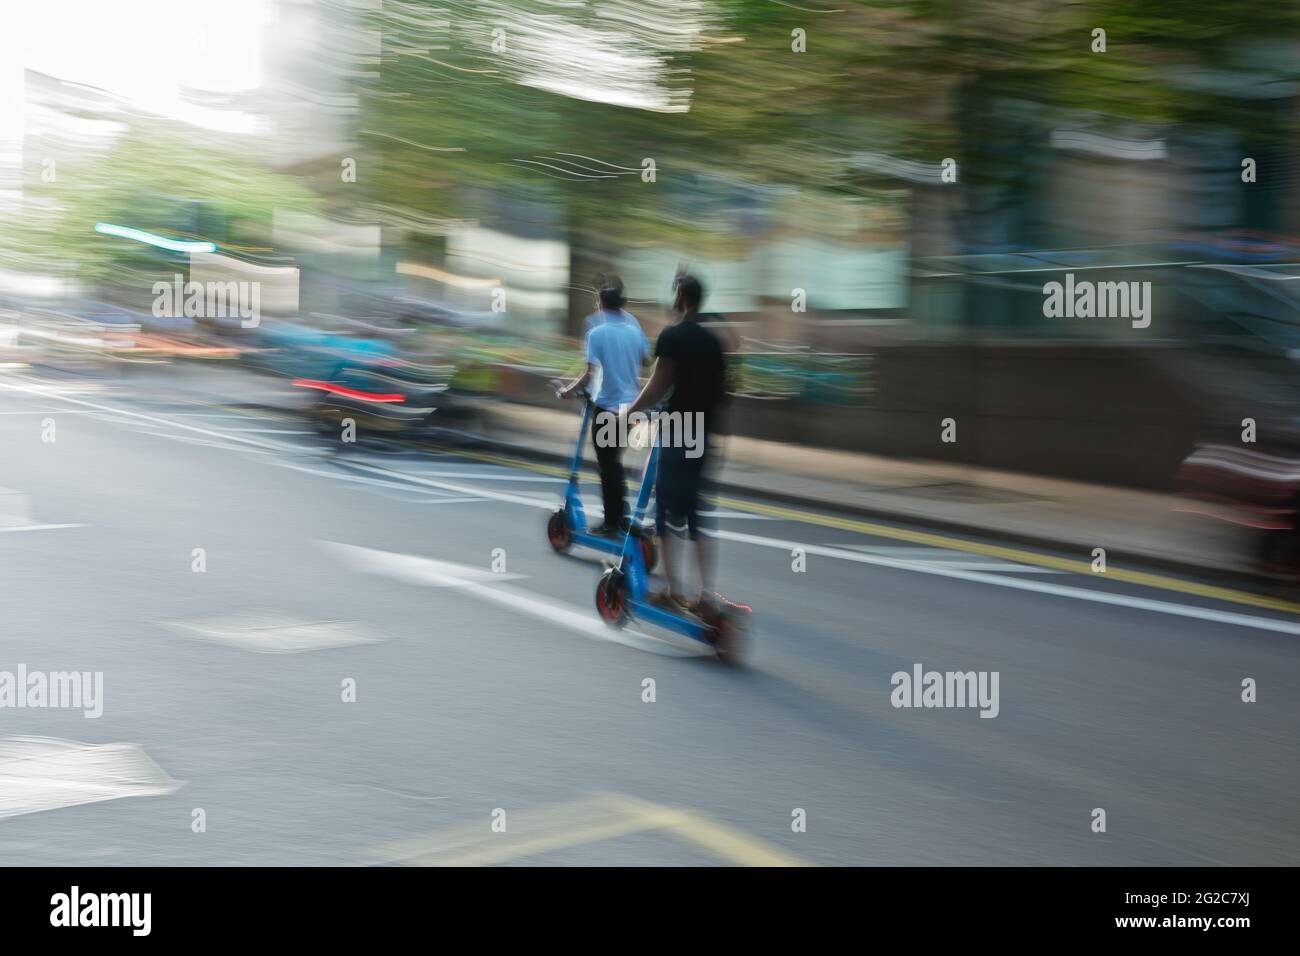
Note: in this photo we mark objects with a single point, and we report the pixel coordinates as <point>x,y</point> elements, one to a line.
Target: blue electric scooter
<point>568,526</point>
<point>623,593</point>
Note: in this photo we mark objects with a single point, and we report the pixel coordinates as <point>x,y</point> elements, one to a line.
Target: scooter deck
<point>595,542</point>
<point>691,627</point>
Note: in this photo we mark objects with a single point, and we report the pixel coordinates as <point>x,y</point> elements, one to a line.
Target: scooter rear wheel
<point>558,534</point>
<point>730,638</point>
<point>611,598</point>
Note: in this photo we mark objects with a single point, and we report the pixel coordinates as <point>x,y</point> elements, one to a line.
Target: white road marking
<point>1040,587</point>
<point>549,503</point>
<point>950,559</point>
<point>49,411</point>
<point>543,479</point>
<point>140,416</point>
<point>450,500</point>
<point>39,527</point>
<point>339,476</point>
<point>1082,594</point>
<point>191,440</point>
<point>275,634</point>
<point>1058,590</point>
<point>231,416</point>
<point>995,566</point>
<point>46,773</point>
<point>415,569</point>
<point>114,420</point>
<point>736,516</point>
<point>270,431</point>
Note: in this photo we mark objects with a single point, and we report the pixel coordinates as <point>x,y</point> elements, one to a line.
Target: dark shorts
<point>677,490</point>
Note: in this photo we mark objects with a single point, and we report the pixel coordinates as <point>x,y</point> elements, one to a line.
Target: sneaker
<point>668,601</point>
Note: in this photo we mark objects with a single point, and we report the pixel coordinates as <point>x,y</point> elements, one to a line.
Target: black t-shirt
<point>699,371</point>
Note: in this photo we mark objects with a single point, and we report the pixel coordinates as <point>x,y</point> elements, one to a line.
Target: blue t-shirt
<point>599,317</point>
<point>617,347</point>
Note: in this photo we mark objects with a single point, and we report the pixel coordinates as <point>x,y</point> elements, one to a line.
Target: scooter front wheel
<point>558,534</point>
<point>611,598</point>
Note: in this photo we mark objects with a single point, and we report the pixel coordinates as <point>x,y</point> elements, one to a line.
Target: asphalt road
<point>478,692</point>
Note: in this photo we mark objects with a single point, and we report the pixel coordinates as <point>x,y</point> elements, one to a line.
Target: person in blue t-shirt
<point>616,349</point>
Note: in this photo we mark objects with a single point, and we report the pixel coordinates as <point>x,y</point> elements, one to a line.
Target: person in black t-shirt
<point>689,361</point>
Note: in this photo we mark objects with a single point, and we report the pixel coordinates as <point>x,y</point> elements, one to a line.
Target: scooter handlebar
<point>582,393</point>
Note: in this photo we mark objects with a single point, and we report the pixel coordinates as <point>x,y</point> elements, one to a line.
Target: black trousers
<point>609,457</point>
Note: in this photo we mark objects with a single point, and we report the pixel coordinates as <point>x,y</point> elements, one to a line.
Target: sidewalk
<point>1133,526</point>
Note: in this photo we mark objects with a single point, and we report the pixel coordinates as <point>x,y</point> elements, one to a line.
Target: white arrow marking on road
<point>414,569</point>
<point>46,773</point>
